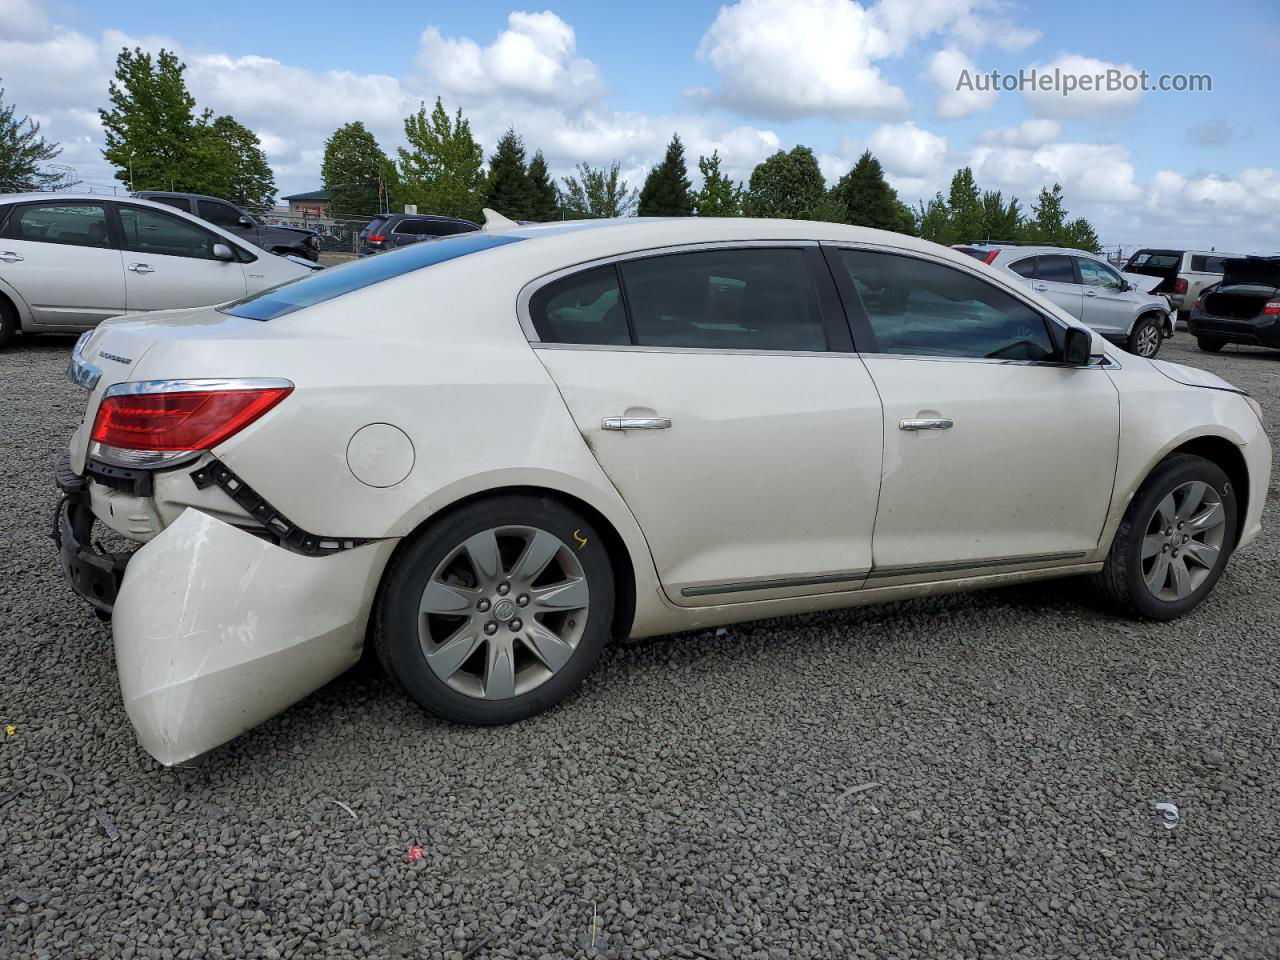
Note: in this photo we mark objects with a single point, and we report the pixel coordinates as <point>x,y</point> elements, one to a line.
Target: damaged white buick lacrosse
<point>488,455</point>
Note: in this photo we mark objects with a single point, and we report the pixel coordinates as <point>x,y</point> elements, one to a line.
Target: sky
<point>600,81</point>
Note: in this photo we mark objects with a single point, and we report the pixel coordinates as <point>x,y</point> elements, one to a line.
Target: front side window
<point>739,299</point>
<point>919,308</point>
<point>1055,268</point>
<point>219,214</point>
<point>1095,274</point>
<point>153,232</point>
<point>74,224</point>
<point>584,308</point>
<point>178,203</point>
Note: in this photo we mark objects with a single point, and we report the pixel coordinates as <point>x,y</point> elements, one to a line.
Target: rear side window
<point>743,299</point>
<point>1201,263</point>
<point>919,308</point>
<point>74,224</point>
<point>1026,267</point>
<point>584,308</point>
<point>413,228</point>
<point>325,285</point>
<point>1055,268</point>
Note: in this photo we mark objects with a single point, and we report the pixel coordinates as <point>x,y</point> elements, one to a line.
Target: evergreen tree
<point>1048,223</point>
<point>934,221</point>
<point>1000,221</point>
<point>356,173</point>
<point>788,185</point>
<point>719,196</point>
<point>23,151</point>
<point>250,182</point>
<point>598,193</point>
<point>666,191</point>
<point>544,198</point>
<point>965,208</point>
<point>865,197</point>
<point>906,219</point>
<point>442,171</point>
<point>509,190</point>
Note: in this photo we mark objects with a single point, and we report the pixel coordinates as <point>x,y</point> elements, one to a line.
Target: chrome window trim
<point>784,583</point>
<point>536,284</point>
<point>133,387</point>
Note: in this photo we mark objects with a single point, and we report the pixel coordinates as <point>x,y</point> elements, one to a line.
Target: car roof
<point>1031,251</point>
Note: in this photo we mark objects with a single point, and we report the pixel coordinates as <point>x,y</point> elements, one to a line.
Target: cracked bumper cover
<point>217,630</point>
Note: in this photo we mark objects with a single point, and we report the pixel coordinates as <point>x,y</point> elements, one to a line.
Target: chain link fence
<point>337,234</point>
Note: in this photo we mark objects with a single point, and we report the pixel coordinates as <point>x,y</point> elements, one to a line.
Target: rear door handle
<point>142,268</point>
<point>636,423</point>
<point>927,423</point>
<point>9,256</point>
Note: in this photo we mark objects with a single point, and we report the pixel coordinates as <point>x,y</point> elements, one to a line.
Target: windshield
<point>307,291</point>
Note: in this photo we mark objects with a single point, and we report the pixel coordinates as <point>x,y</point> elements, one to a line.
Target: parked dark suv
<point>284,241</point>
<point>401,229</point>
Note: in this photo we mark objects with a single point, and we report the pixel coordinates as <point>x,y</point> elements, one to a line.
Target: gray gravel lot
<point>702,797</point>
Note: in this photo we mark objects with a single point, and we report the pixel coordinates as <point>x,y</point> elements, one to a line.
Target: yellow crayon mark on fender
<point>582,541</point>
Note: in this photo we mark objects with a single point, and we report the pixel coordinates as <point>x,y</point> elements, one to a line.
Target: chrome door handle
<point>1091,293</point>
<point>10,257</point>
<point>142,268</point>
<point>1040,286</point>
<point>927,423</point>
<point>636,423</point>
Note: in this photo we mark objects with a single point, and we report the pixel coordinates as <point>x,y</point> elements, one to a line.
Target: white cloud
<point>22,20</point>
<point>907,150</point>
<point>1081,102</point>
<point>945,69</point>
<point>1089,173</point>
<point>1029,133</point>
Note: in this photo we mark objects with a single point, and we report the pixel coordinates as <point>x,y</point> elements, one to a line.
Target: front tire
<point>1145,337</point>
<point>1174,541</point>
<point>1209,345</point>
<point>497,611</point>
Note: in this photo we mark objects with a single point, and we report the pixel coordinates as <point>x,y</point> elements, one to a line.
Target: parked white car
<point>1122,308</point>
<point>495,452</point>
<point>68,261</point>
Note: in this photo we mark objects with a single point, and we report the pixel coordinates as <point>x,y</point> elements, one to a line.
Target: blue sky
<point>599,81</point>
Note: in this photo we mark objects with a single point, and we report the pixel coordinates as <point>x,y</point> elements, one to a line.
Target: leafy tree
<point>719,196</point>
<point>965,207</point>
<point>598,193</point>
<point>788,185</point>
<point>509,189</point>
<point>865,197</point>
<point>249,180</point>
<point>1048,223</point>
<point>934,220</point>
<point>906,219</point>
<point>1079,233</point>
<point>544,198</point>
<point>1000,221</point>
<point>356,173</point>
<point>442,172</point>
<point>22,151</point>
<point>666,191</point>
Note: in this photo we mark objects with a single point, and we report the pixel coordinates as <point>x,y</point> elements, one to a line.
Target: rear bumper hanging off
<point>94,574</point>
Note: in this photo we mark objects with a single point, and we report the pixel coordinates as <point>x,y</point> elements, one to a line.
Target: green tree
<point>1079,233</point>
<point>666,191</point>
<point>1000,220</point>
<point>509,190</point>
<point>719,196</point>
<point>934,221</point>
<point>22,151</point>
<point>249,181</point>
<point>544,198</point>
<point>865,197</point>
<point>357,175</point>
<point>1049,217</point>
<point>598,193</point>
<point>964,205</point>
<point>906,219</point>
<point>788,185</point>
<point>442,171</point>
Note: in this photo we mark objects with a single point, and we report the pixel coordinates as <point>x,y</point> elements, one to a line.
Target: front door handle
<point>927,423</point>
<point>1041,286</point>
<point>142,268</point>
<point>636,423</point>
<point>1091,293</point>
<point>9,256</point>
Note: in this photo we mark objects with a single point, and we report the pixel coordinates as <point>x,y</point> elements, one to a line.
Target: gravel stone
<point>703,796</point>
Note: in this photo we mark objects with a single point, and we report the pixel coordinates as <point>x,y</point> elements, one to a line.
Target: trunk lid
<point>1251,270</point>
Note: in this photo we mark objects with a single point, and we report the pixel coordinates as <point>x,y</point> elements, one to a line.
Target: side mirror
<point>222,252</point>
<point>1078,346</point>
<point>246,221</point>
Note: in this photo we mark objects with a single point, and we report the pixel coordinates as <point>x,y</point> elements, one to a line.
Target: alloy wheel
<point>1148,340</point>
<point>1184,541</point>
<point>503,612</point>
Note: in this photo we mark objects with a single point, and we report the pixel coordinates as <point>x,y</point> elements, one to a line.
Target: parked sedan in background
<point>68,262</point>
<point>1243,308</point>
<point>282,241</point>
<point>1089,289</point>
<point>1183,274</point>
<point>401,229</point>
<point>496,452</point>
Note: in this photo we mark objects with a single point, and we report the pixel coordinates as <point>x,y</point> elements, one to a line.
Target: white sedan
<point>489,455</point>
<point>69,261</point>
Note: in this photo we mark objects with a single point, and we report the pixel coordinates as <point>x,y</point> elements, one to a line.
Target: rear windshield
<point>327,284</point>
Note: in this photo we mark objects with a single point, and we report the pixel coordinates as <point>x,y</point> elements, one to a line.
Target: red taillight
<point>377,238</point>
<point>181,421</point>
<point>991,256</point>
<point>1272,309</point>
<point>1180,285</point>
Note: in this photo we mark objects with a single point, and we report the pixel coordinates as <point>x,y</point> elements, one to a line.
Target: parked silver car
<point>1118,306</point>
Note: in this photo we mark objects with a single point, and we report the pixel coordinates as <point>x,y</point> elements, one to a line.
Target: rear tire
<point>497,611</point>
<point>8,323</point>
<point>1145,337</point>
<point>1209,345</point>
<point>1174,541</point>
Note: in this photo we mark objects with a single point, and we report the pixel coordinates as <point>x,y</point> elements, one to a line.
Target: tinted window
<point>746,299</point>
<point>1205,264</point>
<point>1055,268</point>
<point>76,224</point>
<point>410,227</point>
<point>1095,274</point>
<point>180,203</point>
<point>328,284</point>
<point>1026,267</point>
<point>220,214</point>
<point>1148,258</point>
<point>974,252</point>
<point>583,308</point>
<point>150,231</point>
<point>374,225</point>
<point>920,308</point>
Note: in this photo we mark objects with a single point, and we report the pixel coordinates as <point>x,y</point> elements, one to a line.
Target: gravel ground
<point>965,776</point>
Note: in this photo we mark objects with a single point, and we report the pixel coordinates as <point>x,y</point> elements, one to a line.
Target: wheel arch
<point>1227,456</point>
<point>9,299</point>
